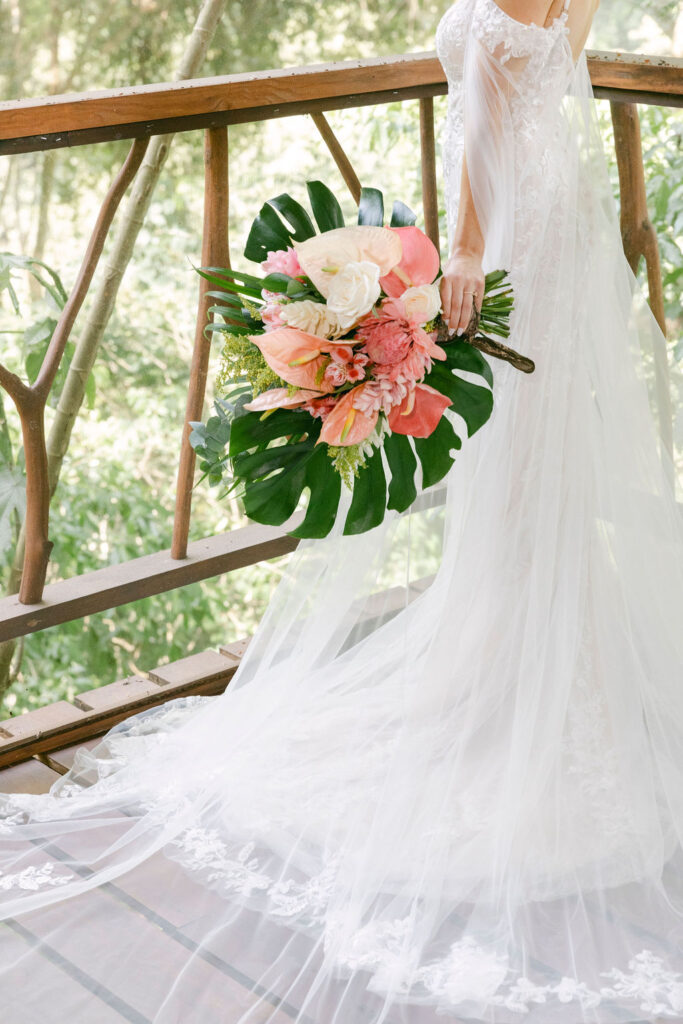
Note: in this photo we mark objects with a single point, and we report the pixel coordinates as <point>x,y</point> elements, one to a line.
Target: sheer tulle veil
<point>447,779</point>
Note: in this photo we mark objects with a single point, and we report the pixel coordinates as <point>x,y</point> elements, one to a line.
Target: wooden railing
<point>212,105</point>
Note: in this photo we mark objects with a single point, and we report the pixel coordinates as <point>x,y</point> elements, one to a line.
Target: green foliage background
<point>115,497</point>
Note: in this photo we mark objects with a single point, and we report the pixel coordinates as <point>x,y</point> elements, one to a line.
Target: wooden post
<point>640,239</point>
<point>215,253</point>
<point>340,158</point>
<point>30,401</point>
<point>428,152</point>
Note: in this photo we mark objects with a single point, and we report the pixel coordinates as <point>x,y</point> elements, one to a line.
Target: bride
<point>447,779</point>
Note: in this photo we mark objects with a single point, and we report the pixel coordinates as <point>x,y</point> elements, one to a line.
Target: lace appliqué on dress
<point>33,878</point>
<point>469,972</point>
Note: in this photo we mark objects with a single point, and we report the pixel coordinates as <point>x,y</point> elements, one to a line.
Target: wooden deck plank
<point>62,760</point>
<point>30,776</point>
<point>42,721</point>
<point>25,1002</point>
<point>63,724</point>
<point>236,649</point>
<point>207,666</point>
<point>127,692</point>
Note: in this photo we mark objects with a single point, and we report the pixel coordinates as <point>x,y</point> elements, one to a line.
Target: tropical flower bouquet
<point>338,369</point>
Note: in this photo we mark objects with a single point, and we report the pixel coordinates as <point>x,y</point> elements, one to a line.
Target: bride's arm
<point>462,273</point>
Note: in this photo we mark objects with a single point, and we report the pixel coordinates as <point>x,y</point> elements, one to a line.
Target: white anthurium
<point>323,256</point>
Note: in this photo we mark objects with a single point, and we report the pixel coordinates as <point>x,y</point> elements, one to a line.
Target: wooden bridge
<point>37,747</point>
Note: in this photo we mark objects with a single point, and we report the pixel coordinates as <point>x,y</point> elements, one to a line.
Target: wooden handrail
<point>115,585</point>
<point>75,119</point>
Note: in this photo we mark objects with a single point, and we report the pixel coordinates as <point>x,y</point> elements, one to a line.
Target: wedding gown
<point>447,780</point>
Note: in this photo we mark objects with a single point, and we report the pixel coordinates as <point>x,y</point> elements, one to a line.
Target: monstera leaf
<point>275,460</point>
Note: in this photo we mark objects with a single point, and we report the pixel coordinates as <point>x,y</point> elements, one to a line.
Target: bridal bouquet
<point>338,368</point>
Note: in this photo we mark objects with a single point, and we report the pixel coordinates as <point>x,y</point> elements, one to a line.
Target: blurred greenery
<point>115,497</point>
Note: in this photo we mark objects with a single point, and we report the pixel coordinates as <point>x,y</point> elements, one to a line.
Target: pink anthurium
<point>280,398</point>
<point>419,413</point>
<point>419,263</point>
<point>295,356</point>
<point>346,425</point>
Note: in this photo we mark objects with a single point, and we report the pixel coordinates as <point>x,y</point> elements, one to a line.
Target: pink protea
<point>398,346</point>
<point>387,334</point>
<point>282,261</point>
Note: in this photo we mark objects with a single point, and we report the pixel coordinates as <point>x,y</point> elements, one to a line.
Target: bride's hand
<point>462,275</point>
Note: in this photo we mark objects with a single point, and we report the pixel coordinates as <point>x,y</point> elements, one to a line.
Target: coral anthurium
<point>419,263</point>
<point>280,398</point>
<point>296,357</point>
<point>346,424</point>
<point>419,413</point>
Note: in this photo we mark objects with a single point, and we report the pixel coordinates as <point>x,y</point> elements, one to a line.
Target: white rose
<point>353,291</point>
<point>422,302</point>
<point>312,317</point>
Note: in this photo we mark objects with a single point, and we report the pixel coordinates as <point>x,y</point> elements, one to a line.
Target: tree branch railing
<point>213,104</point>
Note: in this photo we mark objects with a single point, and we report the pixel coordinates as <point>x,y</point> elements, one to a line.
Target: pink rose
<point>283,261</point>
<point>271,315</point>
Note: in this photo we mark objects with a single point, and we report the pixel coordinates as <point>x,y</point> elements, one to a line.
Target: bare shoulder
<point>538,11</point>
<point>543,12</point>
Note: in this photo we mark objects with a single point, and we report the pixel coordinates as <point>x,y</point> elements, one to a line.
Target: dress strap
<point>565,7</point>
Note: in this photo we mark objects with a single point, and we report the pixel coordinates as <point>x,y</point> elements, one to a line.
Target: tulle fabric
<point>447,779</point>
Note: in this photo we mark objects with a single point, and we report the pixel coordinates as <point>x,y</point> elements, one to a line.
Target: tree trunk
<point>87,346</point>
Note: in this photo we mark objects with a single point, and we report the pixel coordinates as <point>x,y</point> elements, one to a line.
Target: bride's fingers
<point>456,307</point>
<point>465,311</point>
<point>445,290</point>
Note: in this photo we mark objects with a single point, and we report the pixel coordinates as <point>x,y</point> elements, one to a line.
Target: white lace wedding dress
<point>447,780</point>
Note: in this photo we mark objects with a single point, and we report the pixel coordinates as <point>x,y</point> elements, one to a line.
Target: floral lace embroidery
<point>468,972</point>
<point>546,72</point>
<point>32,878</point>
<point>202,850</point>
<point>657,989</point>
<point>208,854</point>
